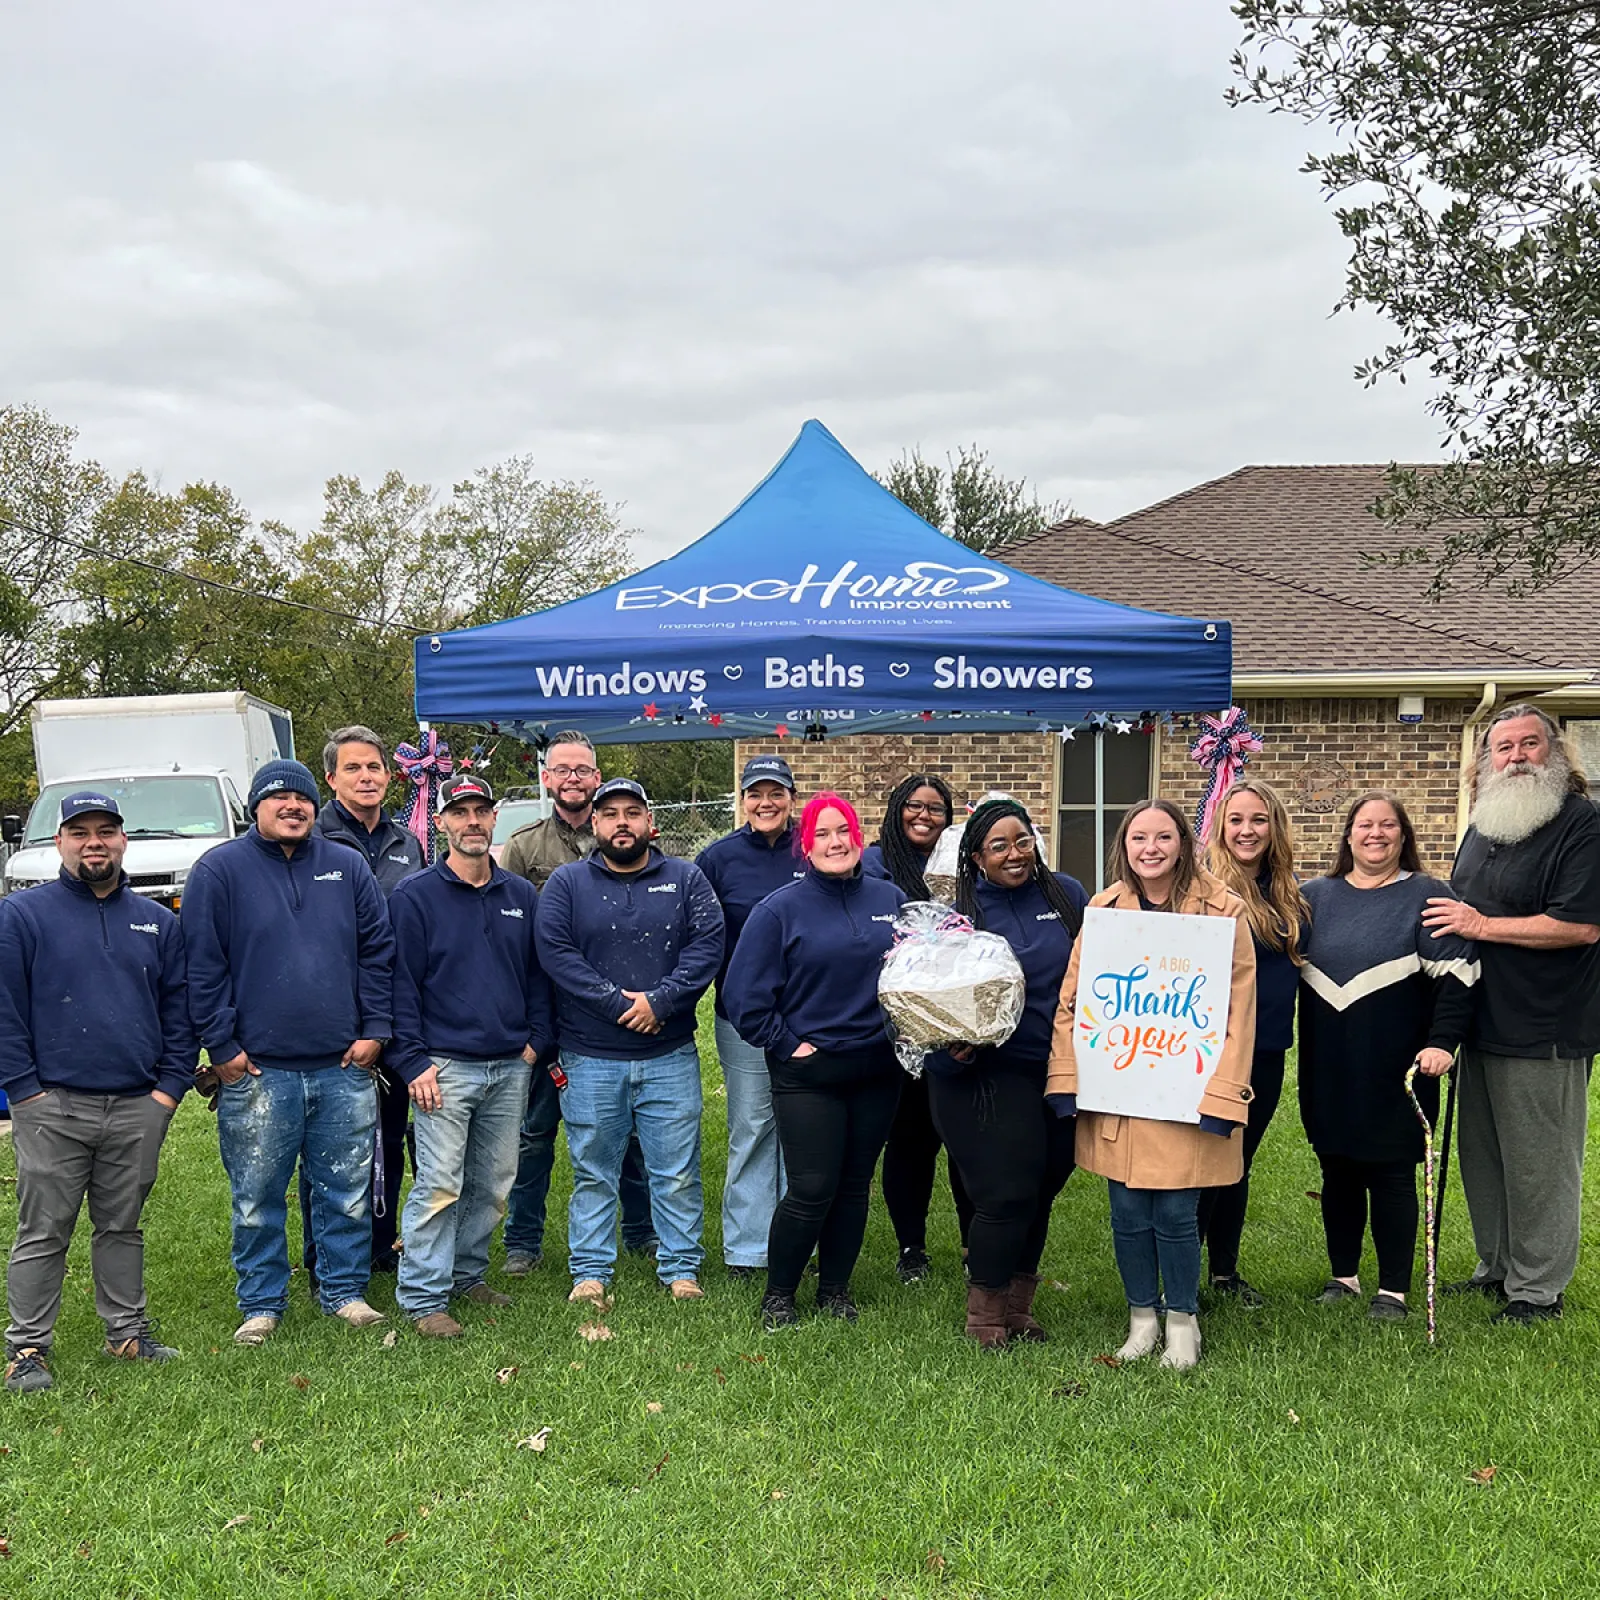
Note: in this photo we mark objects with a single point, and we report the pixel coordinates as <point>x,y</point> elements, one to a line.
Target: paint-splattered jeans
<point>323,1119</point>
<point>466,1164</point>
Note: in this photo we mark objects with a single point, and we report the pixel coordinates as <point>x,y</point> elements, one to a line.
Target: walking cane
<point>1430,1250</point>
<point>1444,1152</point>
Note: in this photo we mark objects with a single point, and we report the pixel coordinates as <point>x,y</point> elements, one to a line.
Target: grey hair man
<point>1528,876</point>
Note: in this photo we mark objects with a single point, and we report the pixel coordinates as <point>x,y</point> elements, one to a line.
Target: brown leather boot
<point>1020,1323</point>
<point>986,1316</point>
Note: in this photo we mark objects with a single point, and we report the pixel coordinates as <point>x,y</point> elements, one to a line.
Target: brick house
<point>1351,675</point>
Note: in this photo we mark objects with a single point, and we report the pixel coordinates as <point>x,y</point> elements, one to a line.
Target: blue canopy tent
<point>821,606</point>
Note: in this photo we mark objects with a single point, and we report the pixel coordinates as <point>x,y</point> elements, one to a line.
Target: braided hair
<point>907,864</point>
<point>977,830</point>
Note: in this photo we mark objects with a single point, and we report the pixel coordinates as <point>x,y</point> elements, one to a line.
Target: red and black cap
<point>453,790</point>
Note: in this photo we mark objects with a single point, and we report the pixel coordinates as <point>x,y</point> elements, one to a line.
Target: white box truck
<point>178,766</point>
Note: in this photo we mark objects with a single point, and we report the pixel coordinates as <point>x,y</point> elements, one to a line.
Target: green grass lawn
<point>1312,1453</point>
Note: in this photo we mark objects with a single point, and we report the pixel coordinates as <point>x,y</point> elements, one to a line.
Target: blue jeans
<point>324,1119</point>
<point>755,1180</point>
<point>536,1161</point>
<point>1157,1240</point>
<point>659,1099</point>
<point>466,1160</point>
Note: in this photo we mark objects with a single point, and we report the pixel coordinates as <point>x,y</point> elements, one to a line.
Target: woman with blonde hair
<point>1252,853</point>
<point>1157,1169</point>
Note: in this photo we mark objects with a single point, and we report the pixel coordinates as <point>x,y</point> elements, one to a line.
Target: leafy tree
<point>1467,165</point>
<point>970,499</point>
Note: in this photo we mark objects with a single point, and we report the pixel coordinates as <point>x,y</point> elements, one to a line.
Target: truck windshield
<point>152,808</point>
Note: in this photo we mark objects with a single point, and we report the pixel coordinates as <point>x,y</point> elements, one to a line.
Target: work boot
<point>590,1289</point>
<point>1144,1333</point>
<point>438,1325</point>
<point>142,1346</point>
<point>256,1330</point>
<point>26,1372</point>
<point>480,1294</point>
<point>1183,1341</point>
<point>986,1316</point>
<point>1020,1323</point>
<point>519,1263</point>
<point>685,1289</point>
<point>358,1314</point>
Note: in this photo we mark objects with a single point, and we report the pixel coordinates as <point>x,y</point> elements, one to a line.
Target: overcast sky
<point>264,243</point>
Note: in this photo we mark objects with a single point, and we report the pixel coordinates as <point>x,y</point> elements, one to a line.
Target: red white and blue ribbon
<point>1224,746</point>
<point>424,765</point>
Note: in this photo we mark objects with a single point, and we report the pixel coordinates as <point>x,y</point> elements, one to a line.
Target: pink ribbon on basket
<point>1225,746</point>
<point>424,765</point>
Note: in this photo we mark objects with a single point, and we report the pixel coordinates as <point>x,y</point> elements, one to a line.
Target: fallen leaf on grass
<point>506,1374</point>
<point>391,1339</point>
<point>399,1536</point>
<point>424,1511</point>
<point>1109,1361</point>
<point>666,1456</point>
<point>238,1521</point>
<point>1069,1391</point>
<point>755,1361</point>
<point>1056,1284</point>
<point>1313,1194</point>
<point>1294,1416</point>
<point>257,1445</point>
<point>777,1494</point>
<point>301,1382</point>
<point>935,1562</point>
<point>595,1332</point>
<point>1483,1475</point>
<point>575,1366</point>
<point>722,1377</point>
<point>653,1407</point>
<point>5,1449</point>
<point>85,1550</point>
<point>536,1441</point>
<point>5,1547</point>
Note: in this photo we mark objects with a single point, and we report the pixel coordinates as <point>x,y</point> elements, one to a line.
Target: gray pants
<point>1523,1123</point>
<point>69,1145</point>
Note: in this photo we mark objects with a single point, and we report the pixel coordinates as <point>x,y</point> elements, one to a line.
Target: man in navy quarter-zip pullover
<point>291,964</point>
<point>96,1050</point>
<point>631,939</point>
<point>471,1018</point>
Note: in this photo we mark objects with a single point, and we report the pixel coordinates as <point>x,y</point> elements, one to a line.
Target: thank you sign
<point>1152,1011</point>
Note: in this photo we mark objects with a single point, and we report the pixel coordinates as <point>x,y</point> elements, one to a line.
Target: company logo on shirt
<point>328,877</point>
<point>883,919</point>
<point>144,927</point>
<point>514,911</point>
<point>662,888</point>
<point>1048,916</point>
<point>917,586</point>
<point>405,861</point>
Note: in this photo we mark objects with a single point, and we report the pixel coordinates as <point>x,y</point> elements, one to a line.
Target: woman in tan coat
<point>1157,1169</point>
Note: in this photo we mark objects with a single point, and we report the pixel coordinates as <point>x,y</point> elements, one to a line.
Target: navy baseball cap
<point>619,786</point>
<point>766,769</point>
<point>464,788</point>
<point>84,801</point>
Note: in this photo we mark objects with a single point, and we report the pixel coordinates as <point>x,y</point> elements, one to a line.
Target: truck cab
<point>172,816</point>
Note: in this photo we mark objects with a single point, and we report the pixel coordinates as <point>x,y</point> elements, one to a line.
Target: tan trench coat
<point>1141,1152</point>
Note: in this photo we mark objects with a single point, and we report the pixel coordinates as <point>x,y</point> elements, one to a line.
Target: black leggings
<point>833,1114</point>
<point>910,1161</point>
<point>1222,1210</point>
<point>1014,1156</point>
<point>1393,1188</point>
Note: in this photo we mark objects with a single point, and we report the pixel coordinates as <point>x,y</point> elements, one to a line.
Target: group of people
<point>340,988</point>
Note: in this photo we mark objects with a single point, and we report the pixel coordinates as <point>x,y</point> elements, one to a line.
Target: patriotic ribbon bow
<point>1224,745</point>
<point>424,765</point>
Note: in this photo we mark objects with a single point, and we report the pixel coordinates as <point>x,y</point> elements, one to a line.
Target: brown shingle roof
<point>1279,552</point>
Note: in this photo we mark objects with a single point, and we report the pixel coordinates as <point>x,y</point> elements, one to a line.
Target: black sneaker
<point>1333,1292</point>
<point>141,1347</point>
<point>778,1311</point>
<point>644,1248</point>
<point>1386,1308</point>
<point>744,1272</point>
<point>1525,1311</point>
<point>913,1265</point>
<point>1234,1287</point>
<point>26,1372</point>
<point>1489,1288</point>
<point>837,1303</point>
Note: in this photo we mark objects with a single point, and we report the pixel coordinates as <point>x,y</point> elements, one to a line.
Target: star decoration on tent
<point>927,716</point>
<point>1068,733</point>
<point>782,730</point>
<point>650,711</point>
<point>1122,725</point>
<point>698,704</point>
<point>715,719</point>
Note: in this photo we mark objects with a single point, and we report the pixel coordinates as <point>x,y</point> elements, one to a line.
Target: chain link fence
<point>686,827</point>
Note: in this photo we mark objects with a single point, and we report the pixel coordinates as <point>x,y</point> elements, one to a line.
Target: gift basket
<point>944,982</point>
<point>940,872</point>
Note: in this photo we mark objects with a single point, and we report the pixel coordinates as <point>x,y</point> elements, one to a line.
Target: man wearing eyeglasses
<point>570,775</point>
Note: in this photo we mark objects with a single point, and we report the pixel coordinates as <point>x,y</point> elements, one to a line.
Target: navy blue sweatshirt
<point>290,957</point>
<point>743,869</point>
<point>806,969</point>
<point>657,932</point>
<point>391,852</point>
<point>92,994</point>
<point>467,980</point>
<point>1032,927</point>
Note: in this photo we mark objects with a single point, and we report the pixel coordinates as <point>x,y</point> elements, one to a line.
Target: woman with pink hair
<point>803,987</point>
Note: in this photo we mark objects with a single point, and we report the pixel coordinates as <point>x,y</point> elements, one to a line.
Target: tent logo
<point>917,586</point>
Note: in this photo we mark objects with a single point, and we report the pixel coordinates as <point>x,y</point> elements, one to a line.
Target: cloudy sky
<point>645,241</point>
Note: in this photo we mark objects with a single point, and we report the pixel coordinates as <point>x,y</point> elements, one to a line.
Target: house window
<point>1101,776</point>
<point>1584,736</point>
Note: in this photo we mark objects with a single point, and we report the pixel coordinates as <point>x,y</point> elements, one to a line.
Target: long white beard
<point>1516,803</point>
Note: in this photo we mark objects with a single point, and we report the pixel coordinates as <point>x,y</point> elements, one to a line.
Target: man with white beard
<point>1528,876</point>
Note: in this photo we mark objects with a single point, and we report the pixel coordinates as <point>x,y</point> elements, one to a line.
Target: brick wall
<point>866,767</point>
<point>1319,755</point>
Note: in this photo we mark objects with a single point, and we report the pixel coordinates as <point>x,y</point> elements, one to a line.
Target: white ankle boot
<point>1144,1333</point>
<point>1183,1340</point>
